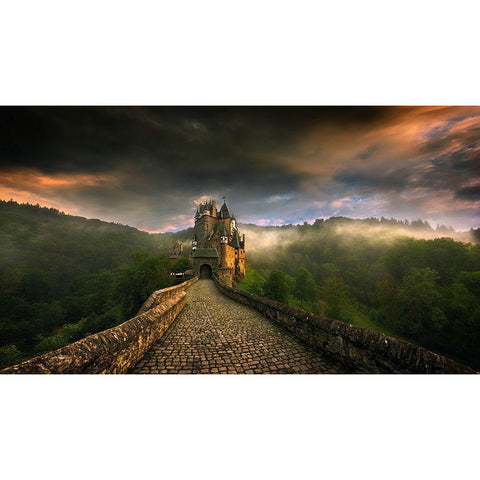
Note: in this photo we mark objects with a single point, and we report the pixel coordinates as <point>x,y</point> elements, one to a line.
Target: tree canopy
<point>64,277</point>
<point>374,273</point>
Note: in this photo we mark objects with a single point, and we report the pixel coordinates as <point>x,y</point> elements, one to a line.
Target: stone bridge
<point>215,334</point>
<point>207,327</point>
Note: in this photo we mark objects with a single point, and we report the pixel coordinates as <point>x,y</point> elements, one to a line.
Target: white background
<point>219,52</point>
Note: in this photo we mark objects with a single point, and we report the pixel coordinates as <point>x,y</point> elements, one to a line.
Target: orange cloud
<point>31,186</point>
<point>326,149</point>
<point>32,178</point>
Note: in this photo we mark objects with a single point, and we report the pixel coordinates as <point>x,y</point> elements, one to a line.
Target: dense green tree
<point>328,270</point>
<point>9,355</point>
<point>137,281</point>
<point>335,292</point>
<point>305,286</point>
<point>181,265</point>
<point>471,280</point>
<point>417,300</point>
<point>277,286</point>
<point>254,282</point>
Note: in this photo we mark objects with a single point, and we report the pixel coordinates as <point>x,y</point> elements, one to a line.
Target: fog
<point>260,239</point>
<point>389,233</point>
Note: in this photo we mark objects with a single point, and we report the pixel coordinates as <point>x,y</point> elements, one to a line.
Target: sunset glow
<point>150,167</point>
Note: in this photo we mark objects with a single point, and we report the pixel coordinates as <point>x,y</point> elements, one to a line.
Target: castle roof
<point>205,253</point>
<point>224,211</point>
<point>236,240</point>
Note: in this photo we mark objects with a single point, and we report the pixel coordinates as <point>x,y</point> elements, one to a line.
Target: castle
<point>217,248</point>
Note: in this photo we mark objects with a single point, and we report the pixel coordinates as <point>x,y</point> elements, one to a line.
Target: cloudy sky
<point>148,167</point>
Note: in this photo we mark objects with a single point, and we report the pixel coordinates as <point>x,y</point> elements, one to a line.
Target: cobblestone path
<point>215,334</point>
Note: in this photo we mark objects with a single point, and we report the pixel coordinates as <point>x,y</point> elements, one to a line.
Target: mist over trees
<point>378,274</point>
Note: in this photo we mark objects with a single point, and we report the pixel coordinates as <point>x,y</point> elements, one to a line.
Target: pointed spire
<point>236,240</point>
<point>224,213</point>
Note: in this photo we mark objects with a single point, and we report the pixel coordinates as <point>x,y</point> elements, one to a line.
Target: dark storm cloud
<point>147,166</point>
<point>469,193</point>
<point>61,139</point>
<point>442,172</point>
<point>371,178</point>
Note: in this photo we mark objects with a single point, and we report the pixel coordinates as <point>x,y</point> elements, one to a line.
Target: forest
<point>378,274</point>
<point>64,277</point>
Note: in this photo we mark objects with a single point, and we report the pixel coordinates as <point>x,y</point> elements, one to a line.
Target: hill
<point>63,277</point>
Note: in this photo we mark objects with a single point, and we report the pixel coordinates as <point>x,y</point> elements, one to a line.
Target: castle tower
<point>223,245</point>
<point>216,246</point>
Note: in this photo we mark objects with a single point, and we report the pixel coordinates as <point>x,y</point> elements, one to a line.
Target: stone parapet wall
<point>359,349</point>
<point>159,296</point>
<point>117,349</point>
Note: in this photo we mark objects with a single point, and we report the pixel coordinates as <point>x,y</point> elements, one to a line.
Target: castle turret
<point>217,246</point>
<point>236,240</point>
<point>224,213</point>
<point>223,234</point>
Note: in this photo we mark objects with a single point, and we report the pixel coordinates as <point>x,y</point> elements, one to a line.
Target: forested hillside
<point>63,277</point>
<point>378,274</point>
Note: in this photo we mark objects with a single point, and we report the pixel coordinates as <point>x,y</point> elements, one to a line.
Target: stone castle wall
<point>198,262</point>
<point>355,347</point>
<point>241,263</point>
<point>203,227</point>
<point>227,256</point>
<point>225,275</point>
<point>117,349</point>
